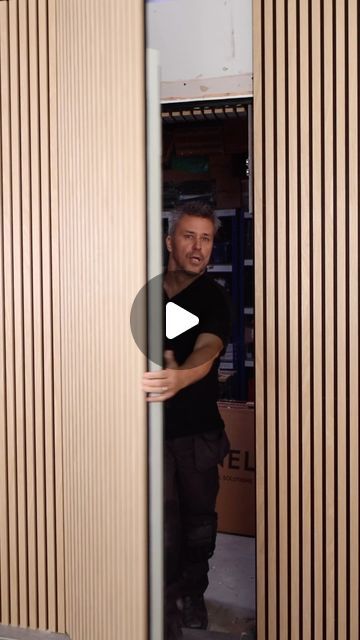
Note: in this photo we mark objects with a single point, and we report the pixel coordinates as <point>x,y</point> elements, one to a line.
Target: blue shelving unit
<point>224,179</point>
<point>236,275</point>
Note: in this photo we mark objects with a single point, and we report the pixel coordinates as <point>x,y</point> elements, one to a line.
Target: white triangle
<point>178,320</point>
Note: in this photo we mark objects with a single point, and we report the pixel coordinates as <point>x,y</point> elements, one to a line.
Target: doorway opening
<point>207,156</point>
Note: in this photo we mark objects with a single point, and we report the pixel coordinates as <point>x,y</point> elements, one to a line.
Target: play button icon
<point>178,320</point>
<point>153,317</point>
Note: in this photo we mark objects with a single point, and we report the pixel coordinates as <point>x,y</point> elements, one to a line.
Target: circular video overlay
<point>155,317</point>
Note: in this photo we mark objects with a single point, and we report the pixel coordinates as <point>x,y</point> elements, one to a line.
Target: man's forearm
<point>166,383</point>
<point>197,365</point>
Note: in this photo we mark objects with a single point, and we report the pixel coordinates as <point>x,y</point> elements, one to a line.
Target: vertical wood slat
<point>48,364</point>
<point>28,321</point>
<point>37,312</point>
<point>259,232</point>
<point>316,328</point>
<point>282,329</point>
<point>31,482</point>
<point>17,270</point>
<point>353,270</point>
<point>271,468</point>
<point>6,305</point>
<point>56,344</point>
<point>341,324</point>
<point>9,338</point>
<point>305,400</point>
<point>329,114</point>
<point>318,574</point>
<point>293,316</point>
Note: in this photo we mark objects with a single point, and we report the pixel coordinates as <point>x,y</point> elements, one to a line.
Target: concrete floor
<point>209,635</point>
<point>17,633</point>
<point>230,597</point>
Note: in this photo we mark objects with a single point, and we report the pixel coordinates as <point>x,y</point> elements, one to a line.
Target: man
<point>195,441</point>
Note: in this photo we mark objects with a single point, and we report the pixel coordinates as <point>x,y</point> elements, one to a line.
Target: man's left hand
<point>165,383</point>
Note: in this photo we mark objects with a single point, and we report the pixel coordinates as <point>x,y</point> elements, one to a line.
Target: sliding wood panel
<point>102,232</point>
<point>32,586</point>
<point>73,439</point>
<point>306,176</point>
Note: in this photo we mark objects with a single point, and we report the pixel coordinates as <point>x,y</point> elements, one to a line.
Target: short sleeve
<point>217,316</point>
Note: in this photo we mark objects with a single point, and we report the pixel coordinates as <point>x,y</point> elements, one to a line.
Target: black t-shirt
<point>194,410</point>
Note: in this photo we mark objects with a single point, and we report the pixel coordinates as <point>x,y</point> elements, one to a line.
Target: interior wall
<point>101,168</point>
<point>31,484</point>
<point>205,47</point>
<point>306,154</point>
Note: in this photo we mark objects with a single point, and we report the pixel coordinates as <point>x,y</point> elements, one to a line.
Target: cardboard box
<point>236,500</point>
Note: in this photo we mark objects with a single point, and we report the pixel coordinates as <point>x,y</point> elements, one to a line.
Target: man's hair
<point>193,208</point>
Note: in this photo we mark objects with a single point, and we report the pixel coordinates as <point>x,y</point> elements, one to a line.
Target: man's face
<point>191,245</point>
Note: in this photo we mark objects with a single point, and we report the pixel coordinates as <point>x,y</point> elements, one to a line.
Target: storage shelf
<point>221,213</point>
<point>221,268</point>
<point>225,213</point>
<point>232,266</point>
<point>227,366</point>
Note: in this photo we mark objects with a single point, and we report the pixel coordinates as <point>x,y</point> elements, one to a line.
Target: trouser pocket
<point>210,449</point>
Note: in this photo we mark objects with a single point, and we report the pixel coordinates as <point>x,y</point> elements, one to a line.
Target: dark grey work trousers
<point>191,487</point>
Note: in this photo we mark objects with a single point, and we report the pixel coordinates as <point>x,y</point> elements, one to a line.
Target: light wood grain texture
<point>101,169</point>
<point>353,266</point>
<point>329,372</point>
<point>4,538</point>
<point>269,207</point>
<point>31,483</point>
<point>10,521</point>
<point>304,187</point>
<point>307,258</point>
<point>341,320</point>
<point>317,319</point>
<point>293,316</point>
<point>281,231</point>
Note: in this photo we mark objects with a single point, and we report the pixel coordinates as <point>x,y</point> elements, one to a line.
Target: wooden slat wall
<point>73,462</point>
<point>32,587</point>
<point>102,218</point>
<point>306,177</point>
